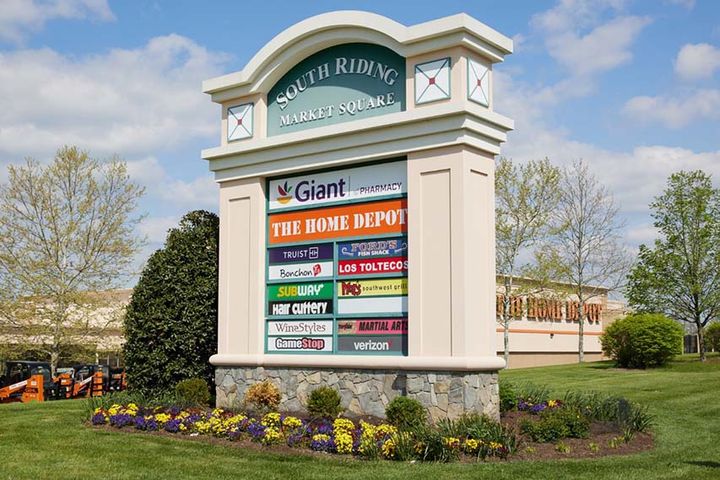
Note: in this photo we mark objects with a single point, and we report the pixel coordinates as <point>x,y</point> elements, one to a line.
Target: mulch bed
<point>601,435</point>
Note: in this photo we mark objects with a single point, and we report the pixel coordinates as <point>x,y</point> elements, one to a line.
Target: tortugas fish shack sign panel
<point>339,84</point>
<point>348,226</point>
<point>356,173</point>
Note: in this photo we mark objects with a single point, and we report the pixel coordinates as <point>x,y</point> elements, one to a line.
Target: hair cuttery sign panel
<point>337,253</point>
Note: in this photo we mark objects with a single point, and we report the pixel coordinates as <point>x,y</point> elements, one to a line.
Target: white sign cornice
<point>328,29</point>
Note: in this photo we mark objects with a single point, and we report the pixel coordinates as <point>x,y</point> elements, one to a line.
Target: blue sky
<point>631,87</point>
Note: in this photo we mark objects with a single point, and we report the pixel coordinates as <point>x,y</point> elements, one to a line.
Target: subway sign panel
<point>337,262</point>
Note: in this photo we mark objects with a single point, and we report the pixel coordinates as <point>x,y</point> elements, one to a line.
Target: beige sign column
<point>452,253</point>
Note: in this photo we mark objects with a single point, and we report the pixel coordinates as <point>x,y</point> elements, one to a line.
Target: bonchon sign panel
<point>337,262</point>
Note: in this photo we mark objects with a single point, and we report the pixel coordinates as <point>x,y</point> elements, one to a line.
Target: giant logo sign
<point>337,262</point>
<point>338,84</point>
<point>343,186</point>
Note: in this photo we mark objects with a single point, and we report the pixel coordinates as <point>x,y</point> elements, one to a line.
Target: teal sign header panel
<point>339,84</point>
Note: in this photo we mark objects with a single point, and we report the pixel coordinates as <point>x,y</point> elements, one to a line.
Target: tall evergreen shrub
<point>171,321</point>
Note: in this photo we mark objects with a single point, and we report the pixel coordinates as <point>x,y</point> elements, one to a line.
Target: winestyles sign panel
<point>338,84</point>
<point>337,262</point>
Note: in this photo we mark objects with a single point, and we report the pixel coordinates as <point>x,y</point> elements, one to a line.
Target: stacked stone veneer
<point>367,392</point>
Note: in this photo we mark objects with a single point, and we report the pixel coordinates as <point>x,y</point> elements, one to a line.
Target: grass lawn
<point>49,440</point>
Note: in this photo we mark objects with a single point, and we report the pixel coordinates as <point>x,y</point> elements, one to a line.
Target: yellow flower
<point>162,418</point>
<point>343,443</point>
<point>495,445</point>
<point>552,403</point>
<point>385,430</point>
<point>272,435</point>
<point>271,420</point>
<point>343,425</point>
<point>451,442</point>
<point>320,437</point>
<point>182,427</point>
<point>471,445</point>
<point>292,422</point>
<point>388,449</point>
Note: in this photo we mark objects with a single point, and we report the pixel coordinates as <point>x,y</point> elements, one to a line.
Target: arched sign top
<point>339,84</point>
<point>328,29</point>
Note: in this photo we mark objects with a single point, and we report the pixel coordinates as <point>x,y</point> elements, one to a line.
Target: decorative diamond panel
<point>478,83</point>
<point>240,122</point>
<point>432,81</point>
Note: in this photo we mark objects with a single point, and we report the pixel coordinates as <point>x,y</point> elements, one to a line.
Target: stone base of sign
<point>367,392</point>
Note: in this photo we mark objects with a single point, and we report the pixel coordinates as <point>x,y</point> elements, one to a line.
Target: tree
<point>525,196</point>
<point>67,231</point>
<point>586,250</point>
<point>171,321</point>
<point>680,275</point>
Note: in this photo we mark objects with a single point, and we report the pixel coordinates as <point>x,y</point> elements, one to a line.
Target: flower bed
<point>534,425</point>
<point>340,436</point>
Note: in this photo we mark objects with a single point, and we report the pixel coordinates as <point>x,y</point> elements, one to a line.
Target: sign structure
<point>337,262</point>
<point>339,84</point>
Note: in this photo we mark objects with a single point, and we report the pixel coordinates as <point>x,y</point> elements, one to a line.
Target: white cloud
<point>602,49</point>
<point>20,17</point>
<point>697,61</point>
<point>156,228</point>
<point>201,192</point>
<point>587,38</point>
<point>131,102</point>
<point>641,234</point>
<point>687,4</point>
<point>674,112</point>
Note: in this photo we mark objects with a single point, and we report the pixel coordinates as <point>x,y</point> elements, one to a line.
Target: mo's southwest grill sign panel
<point>337,262</point>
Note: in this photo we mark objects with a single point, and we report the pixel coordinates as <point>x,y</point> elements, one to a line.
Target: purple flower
<point>294,439</point>
<point>234,434</point>
<point>325,428</point>
<point>140,423</point>
<point>120,420</point>
<point>173,426</point>
<point>256,431</point>
<point>538,408</point>
<point>151,425</point>
<point>174,411</point>
<point>98,419</point>
<point>323,445</point>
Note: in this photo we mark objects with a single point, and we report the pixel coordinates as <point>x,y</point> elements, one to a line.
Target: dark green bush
<point>712,336</point>
<point>171,321</point>
<point>555,424</point>
<point>194,391</point>
<point>508,396</point>
<point>642,340</point>
<point>405,413</point>
<point>324,402</point>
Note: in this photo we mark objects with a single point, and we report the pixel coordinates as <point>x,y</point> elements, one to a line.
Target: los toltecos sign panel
<point>338,84</point>
<point>337,262</point>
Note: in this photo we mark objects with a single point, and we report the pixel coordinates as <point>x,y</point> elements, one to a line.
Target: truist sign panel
<point>340,186</point>
<point>337,262</point>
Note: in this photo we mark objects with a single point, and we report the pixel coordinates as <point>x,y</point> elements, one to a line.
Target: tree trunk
<point>54,358</point>
<point>506,320</point>
<point>701,341</point>
<point>581,331</point>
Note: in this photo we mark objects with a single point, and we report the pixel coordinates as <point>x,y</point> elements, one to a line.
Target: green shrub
<point>262,397</point>
<point>194,391</point>
<point>171,320</point>
<point>712,337</point>
<point>606,408</point>
<point>405,413</point>
<point>432,447</point>
<point>555,424</point>
<point>324,402</point>
<point>508,396</point>
<point>642,340</point>
<point>483,428</point>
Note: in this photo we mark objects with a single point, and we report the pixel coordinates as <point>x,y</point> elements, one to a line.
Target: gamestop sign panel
<point>337,262</point>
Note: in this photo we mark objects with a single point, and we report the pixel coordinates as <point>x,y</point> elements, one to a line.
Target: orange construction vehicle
<point>25,381</point>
